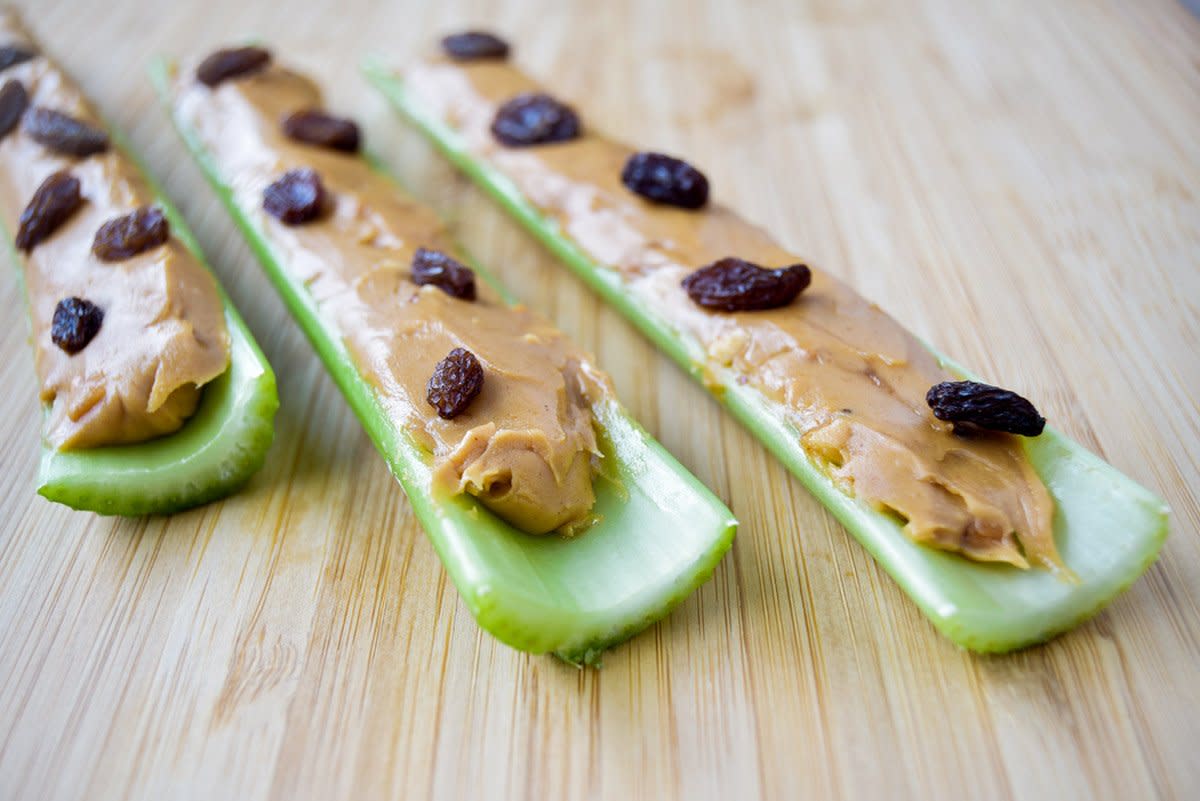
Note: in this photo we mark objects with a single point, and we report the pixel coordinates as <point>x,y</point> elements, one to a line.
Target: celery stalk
<point>212,455</point>
<point>660,532</point>
<point>1108,528</point>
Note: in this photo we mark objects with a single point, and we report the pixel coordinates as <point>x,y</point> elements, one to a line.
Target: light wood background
<point>1016,181</point>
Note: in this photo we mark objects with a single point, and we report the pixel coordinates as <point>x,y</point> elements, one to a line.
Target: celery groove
<point>660,532</point>
<point>1108,528</point>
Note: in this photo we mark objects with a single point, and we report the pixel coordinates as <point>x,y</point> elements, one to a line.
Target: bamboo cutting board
<point>1017,182</point>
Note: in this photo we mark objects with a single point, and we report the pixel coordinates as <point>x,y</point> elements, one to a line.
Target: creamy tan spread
<point>852,379</point>
<point>163,335</point>
<point>526,445</point>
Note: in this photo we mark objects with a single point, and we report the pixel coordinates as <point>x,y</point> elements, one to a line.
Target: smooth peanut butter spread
<point>851,379</point>
<point>163,334</point>
<point>525,446</point>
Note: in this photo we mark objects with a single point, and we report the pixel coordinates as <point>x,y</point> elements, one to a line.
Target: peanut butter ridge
<point>163,335</point>
<point>851,379</point>
<point>526,445</point>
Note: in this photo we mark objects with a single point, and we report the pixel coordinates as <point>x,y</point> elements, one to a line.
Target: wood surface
<point>1015,181</point>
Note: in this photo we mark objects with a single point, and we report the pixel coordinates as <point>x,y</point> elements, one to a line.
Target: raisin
<point>456,381</point>
<point>532,118</point>
<point>315,127</point>
<point>13,100</point>
<point>435,267</point>
<point>665,180</point>
<point>76,322</point>
<point>12,55</point>
<point>232,62</point>
<point>52,204</point>
<point>63,133</point>
<point>296,198</point>
<point>124,237</point>
<point>472,45</point>
<point>733,284</point>
<point>971,405</point>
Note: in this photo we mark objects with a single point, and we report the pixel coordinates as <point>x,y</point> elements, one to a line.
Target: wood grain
<point>1016,181</point>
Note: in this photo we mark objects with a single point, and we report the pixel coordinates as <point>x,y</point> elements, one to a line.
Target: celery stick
<point>659,535</point>
<point>1108,528</point>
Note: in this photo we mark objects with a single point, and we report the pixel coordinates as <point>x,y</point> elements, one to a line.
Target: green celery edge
<point>211,456</point>
<point>1108,528</point>
<point>660,533</point>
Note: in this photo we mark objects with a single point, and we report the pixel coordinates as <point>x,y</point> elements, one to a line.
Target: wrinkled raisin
<point>971,405</point>
<point>13,100</point>
<point>665,180</point>
<point>126,236</point>
<point>315,127</point>
<point>63,133</point>
<point>232,62</point>
<point>435,267</point>
<point>76,322</point>
<point>52,204</point>
<point>733,284</point>
<point>471,45</point>
<point>456,381</point>
<point>12,55</point>
<point>298,197</point>
<point>532,118</point>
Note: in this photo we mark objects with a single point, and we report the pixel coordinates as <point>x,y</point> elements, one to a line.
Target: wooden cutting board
<point>1015,181</point>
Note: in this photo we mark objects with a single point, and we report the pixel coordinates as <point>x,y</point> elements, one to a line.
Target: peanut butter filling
<point>525,446</point>
<point>163,335</point>
<point>849,377</point>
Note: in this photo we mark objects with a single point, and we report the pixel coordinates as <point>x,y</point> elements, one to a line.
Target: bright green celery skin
<point>212,455</point>
<point>660,533</point>
<point>1108,528</point>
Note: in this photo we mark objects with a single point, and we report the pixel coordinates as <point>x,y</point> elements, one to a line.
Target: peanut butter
<point>163,335</point>
<point>850,379</point>
<point>526,445</point>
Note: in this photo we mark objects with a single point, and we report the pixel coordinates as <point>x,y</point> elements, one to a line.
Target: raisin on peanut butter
<point>13,101</point>
<point>733,284</point>
<point>296,198</point>
<point>435,267</point>
<point>473,45</point>
<point>533,118</point>
<point>233,62</point>
<point>315,127</point>
<point>128,235</point>
<point>12,55</point>
<point>76,322</point>
<point>971,405</point>
<point>52,204</point>
<point>456,381</point>
<point>63,133</point>
<point>664,179</point>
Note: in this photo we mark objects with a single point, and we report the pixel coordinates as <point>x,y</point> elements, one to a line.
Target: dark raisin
<point>532,118</point>
<point>233,62</point>
<point>296,198</point>
<point>63,133</point>
<point>665,180</point>
<point>733,284</point>
<point>12,55</point>
<point>76,322</point>
<point>124,237</point>
<point>456,381</point>
<point>435,267</point>
<point>471,45</point>
<point>315,127</point>
<point>13,100</point>
<point>971,405</point>
<point>52,204</point>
